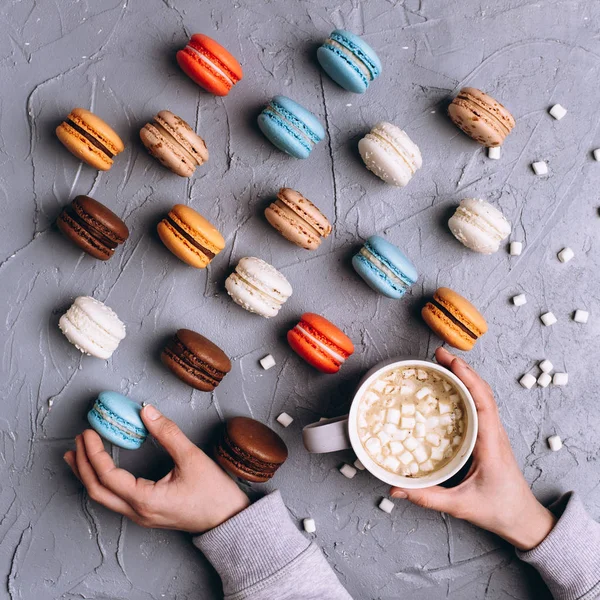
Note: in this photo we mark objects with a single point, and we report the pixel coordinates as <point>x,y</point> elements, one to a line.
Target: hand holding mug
<point>195,496</point>
<point>494,495</point>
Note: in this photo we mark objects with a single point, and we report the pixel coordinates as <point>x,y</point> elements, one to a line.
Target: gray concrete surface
<point>118,59</point>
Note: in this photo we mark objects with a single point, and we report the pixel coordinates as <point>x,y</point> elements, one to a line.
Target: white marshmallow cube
<point>348,470</point>
<point>406,458</point>
<point>384,437</point>
<point>546,366</point>
<point>424,391</point>
<point>373,445</point>
<point>408,373</point>
<point>410,443</point>
<point>420,454</point>
<point>408,410</point>
<point>267,362</point>
<point>555,443</point>
<point>396,447</point>
<point>285,419</point>
<point>565,255</point>
<point>413,468</point>
<point>420,430</point>
<point>548,319</point>
<point>427,466</point>
<point>444,408</point>
<point>309,525</point>
<point>447,387</point>
<point>560,379</point>
<point>519,300</point>
<point>386,505</point>
<point>432,422</point>
<point>597,154</point>
<point>544,380</point>
<point>437,453</point>
<point>390,428</point>
<point>406,389</point>
<point>446,419</point>
<point>433,438</point>
<point>581,316</point>
<point>379,385</point>
<point>393,416</point>
<point>358,464</point>
<point>407,423</point>
<point>558,111</point>
<point>422,375</point>
<point>456,440</point>
<point>400,434</point>
<point>540,167</point>
<point>494,152</point>
<point>391,463</point>
<point>419,418</point>
<point>516,248</point>
<point>527,381</point>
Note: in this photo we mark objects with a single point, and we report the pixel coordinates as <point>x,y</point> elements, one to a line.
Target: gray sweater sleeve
<point>261,555</point>
<point>569,558</point>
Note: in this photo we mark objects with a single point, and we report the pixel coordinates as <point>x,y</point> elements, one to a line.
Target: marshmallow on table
<point>494,152</point>
<point>596,154</point>
<point>348,470</point>
<point>386,505</point>
<point>558,111</point>
<point>565,255</point>
<point>544,380</point>
<point>548,319</point>
<point>519,300</point>
<point>560,379</point>
<point>546,366</point>
<point>309,525</point>
<point>267,362</point>
<point>284,419</point>
<point>540,167</point>
<point>555,443</point>
<point>516,248</point>
<point>581,316</point>
<point>527,381</point>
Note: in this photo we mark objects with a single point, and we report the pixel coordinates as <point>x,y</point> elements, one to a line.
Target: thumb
<point>434,498</point>
<point>168,435</point>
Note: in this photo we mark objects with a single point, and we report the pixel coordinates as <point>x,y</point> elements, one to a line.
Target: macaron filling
<point>175,224</point>
<point>449,315</point>
<point>197,367</point>
<point>297,128</point>
<point>121,425</point>
<point>163,134</point>
<point>398,279</point>
<point>337,39</point>
<point>90,138</point>
<point>251,464</point>
<point>479,222</point>
<point>82,322</point>
<point>347,55</point>
<point>95,230</point>
<point>474,105</point>
<point>214,63</point>
<point>305,330</point>
<point>390,144</point>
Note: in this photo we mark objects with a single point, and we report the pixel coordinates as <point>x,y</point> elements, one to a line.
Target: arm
<point>495,496</point>
<point>257,550</point>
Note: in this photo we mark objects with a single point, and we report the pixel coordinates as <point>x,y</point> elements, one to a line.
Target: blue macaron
<point>349,61</point>
<point>290,127</point>
<point>117,419</point>
<point>384,267</point>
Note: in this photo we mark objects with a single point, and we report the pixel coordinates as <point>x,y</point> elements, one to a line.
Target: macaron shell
<point>82,148</point>
<point>264,277</point>
<point>281,136</point>
<point>376,279</point>
<point>292,227</point>
<point>302,114</point>
<point>110,433</point>
<point>82,238</point>
<point>445,329</point>
<point>104,132</point>
<point>476,126</point>
<point>305,209</point>
<point>500,113</point>
<point>205,229</point>
<point>335,335</point>
<point>393,257</point>
<point>166,152</point>
<point>381,161</point>
<point>462,309</point>
<point>250,298</point>
<point>311,353</point>
<point>183,133</point>
<point>341,70</point>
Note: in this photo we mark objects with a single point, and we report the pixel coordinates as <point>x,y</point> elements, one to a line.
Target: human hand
<point>494,495</point>
<point>195,496</point>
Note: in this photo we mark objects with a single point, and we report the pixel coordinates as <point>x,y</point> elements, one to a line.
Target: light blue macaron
<point>349,61</point>
<point>290,127</point>
<point>384,267</point>
<point>117,419</point>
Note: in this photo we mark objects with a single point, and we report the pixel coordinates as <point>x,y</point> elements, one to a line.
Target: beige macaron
<point>297,219</point>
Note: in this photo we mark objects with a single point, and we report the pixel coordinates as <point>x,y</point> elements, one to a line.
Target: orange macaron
<point>320,343</point>
<point>90,139</point>
<point>190,237</point>
<point>454,319</point>
<point>209,65</point>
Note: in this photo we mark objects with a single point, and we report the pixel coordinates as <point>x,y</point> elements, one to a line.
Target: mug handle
<point>329,435</point>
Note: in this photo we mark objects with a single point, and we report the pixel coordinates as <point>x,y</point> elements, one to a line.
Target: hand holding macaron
<point>195,496</point>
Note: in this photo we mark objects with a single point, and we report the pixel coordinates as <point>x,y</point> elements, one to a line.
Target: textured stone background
<point>118,58</point>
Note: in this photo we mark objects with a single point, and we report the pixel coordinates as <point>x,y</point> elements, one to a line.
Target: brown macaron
<point>481,117</point>
<point>195,360</point>
<point>93,227</point>
<point>454,319</point>
<point>250,450</point>
<point>297,219</point>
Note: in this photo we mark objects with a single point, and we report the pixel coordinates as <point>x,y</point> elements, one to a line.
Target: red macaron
<point>320,343</point>
<point>210,65</point>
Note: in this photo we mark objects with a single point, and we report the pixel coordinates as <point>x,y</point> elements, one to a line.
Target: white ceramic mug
<point>341,433</point>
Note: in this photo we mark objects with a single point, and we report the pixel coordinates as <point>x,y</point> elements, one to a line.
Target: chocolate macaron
<point>196,360</point>
<point>93,227</point>
<point>250,450</point>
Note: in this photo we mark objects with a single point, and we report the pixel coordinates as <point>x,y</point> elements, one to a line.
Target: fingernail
<point>399,494</point>
<point>151,413</point>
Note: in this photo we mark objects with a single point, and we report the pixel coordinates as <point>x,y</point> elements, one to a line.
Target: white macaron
<point>92,327</point>
<point>479,226</point>
<point>388,152</point>
<point>258,287</point>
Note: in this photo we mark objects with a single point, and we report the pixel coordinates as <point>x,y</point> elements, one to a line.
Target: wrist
<point>530,526</point>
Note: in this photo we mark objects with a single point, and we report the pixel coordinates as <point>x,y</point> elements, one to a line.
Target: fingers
<point>95,489</point>
<point>434,498</point>
<point>70,459</point>
<point>168,435</point>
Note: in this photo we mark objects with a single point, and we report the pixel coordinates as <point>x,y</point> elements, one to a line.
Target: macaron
<point>258,287</point>
<point>454,319</point>
<point>92,327</point>
<point>209,65</point>
<point>481,117</point>
<point>479,226</point>
<point>389,153</point>
<point>250,450</point>
<point>320,343</point>
<point>349,61</point>
<point>290,127</point>
<point>117,419</point>
<point>384,267</point>
<point>195,360</point>
<point>190,237</point>
<point>93,227</point>
<point>297,219</point>
<point>174,143</point>
<point>90,139</point>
